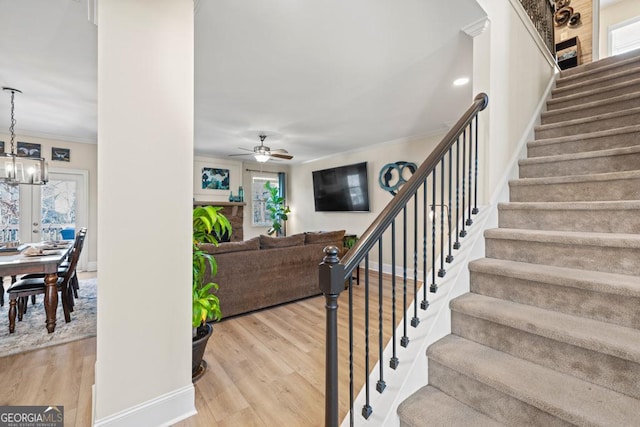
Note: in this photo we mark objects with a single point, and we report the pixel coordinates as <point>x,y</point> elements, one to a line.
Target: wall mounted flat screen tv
<point>342,189</point>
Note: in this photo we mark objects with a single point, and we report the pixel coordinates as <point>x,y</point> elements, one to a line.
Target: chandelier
<point>19,169</point>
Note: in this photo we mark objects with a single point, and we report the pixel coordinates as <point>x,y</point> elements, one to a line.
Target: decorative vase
<point>199,366</point>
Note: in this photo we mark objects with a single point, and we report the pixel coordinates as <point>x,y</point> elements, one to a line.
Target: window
<point>259,196</point>
<point>9,212</point>
<point>625,36</point>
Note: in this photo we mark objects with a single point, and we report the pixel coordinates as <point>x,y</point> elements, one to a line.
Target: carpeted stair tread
<point>561,395</point>
<point>606,65</point>
<point>616,240</point>
<point>587,136</point>
<point>561,206</point>
<point>603,117</point>
<point>602,83</point>
<point>582,155</point>
<point>609,176</point>
<point>588,109</point>
<point>602,337</point>
<point>595,216</point>
<point>430,406</point>
<point>581,93</point>
<point>595,281</point>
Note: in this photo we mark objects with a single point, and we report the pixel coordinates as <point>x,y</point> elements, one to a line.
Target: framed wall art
<point>60,154</point>
<point>28,149</point>
<point>215,178</point>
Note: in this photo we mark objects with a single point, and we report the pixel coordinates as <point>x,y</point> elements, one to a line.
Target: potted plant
<point>277,210</point>
<point>208,225</point>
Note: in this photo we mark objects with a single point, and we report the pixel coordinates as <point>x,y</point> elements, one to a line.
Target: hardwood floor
<point>265,368</point>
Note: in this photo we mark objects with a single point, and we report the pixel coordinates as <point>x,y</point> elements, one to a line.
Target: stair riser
<point>491,402</point>
<point>586,127</point>
<point>605,307</point>
<point>617,189</point>
<point>587,96</point>
<point>599,258</point>
<point>604,164</point>
<point>612,372</point>
<point>562,82</point>
<point>584,145</point>
<point>555,117</point>
<point>599,221</point>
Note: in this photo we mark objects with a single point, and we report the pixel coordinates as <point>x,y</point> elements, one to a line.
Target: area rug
<point>31,333</point>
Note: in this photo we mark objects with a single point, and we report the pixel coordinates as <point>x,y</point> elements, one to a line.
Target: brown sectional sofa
<point>266,271</point>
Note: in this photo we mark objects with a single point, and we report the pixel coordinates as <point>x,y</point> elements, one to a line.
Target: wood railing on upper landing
<point>445,184</point>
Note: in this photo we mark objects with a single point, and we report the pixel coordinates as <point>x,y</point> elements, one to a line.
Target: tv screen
<point>341,189</point>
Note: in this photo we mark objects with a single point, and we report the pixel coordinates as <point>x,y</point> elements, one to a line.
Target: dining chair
<point>25,287</point>
<point>78,244</point>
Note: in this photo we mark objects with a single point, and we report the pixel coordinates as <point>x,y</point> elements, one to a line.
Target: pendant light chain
<point>13,123</point>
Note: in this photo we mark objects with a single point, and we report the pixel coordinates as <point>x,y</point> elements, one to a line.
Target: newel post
<point>331,284</point>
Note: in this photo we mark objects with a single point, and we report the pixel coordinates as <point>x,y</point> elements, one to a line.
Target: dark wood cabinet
<point>234,211</point>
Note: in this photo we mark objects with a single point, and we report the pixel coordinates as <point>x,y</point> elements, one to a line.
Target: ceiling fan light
<point>262,158</point>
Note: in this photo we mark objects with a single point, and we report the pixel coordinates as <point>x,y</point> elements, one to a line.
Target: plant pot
<point>199,366</point>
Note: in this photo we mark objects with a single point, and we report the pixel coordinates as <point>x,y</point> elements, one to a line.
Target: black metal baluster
<point>475,190</point>
<point>442,271</point>
<point>367,410</point>
<point>450,207</point>
<point>456,245</point>
<point>463,232</point>
<point>415,321</point>
<point>351,391</point>
<point>434,287</point>
<point>380,386</point>
<point>425,302</point>
<point>404,341</point>
<point>393,363</point>
<point>469,220</point>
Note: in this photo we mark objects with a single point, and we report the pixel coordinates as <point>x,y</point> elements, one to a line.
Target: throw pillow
<point>246,245</point>
<point>267,242</point>
<point>324,237</point>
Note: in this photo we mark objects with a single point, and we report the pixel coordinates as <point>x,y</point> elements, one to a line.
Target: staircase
<point>550,333</point>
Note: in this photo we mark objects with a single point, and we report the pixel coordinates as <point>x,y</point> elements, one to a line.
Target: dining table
<point>14,263</point>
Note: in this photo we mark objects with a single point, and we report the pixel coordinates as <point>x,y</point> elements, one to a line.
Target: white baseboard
<point>164,410</point>
<point>92,266</point>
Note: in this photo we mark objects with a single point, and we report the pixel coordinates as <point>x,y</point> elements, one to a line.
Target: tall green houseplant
<point>209,225</point>
<point>277,210</point>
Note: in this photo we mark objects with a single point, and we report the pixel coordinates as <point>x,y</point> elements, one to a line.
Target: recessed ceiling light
<point>461,81</point>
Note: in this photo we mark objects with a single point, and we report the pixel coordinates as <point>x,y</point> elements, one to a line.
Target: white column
<point>145,164</point>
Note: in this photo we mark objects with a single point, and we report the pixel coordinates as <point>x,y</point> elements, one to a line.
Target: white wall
<point>514,68</point>
<point>615,13</point>
<point>145,184</point>
<point>83,157</point>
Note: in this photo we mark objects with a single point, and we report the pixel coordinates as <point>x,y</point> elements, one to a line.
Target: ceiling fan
<point>262,153</point>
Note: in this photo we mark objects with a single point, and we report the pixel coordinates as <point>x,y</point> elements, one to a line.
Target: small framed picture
<point>1,147</point>
<point>27,149</point>
<point>60,154</point>
<point>215,178</point>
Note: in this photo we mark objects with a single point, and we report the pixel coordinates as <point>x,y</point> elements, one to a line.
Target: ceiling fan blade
<point>243,154</point>
<point>279,150</point>
<point>245,149</point>
<point>281,156</point>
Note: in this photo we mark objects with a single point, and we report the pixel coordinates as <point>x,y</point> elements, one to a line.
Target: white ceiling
<point>317,77</point>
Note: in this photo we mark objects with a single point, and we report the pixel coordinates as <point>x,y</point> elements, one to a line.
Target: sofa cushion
<point>246,245</point>
<point>324,237</point>
<point>267,242</point>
